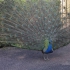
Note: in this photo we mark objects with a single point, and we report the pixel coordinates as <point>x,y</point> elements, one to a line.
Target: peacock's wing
<point>46,44</point>
<point>27,23</point>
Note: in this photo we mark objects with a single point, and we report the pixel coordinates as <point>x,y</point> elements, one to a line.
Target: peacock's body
<point>47,47</point>
<point>32,24</point>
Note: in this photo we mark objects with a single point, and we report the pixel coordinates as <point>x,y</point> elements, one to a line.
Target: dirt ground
<point>12,58</point>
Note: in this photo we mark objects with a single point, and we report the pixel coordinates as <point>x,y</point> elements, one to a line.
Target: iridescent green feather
<point>46,43</point>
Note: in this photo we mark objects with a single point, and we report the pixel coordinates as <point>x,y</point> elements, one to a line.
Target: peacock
<point>47,48</point>
<point>32,24</point>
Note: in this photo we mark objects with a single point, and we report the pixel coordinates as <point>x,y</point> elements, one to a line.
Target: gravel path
<point>12,58</point>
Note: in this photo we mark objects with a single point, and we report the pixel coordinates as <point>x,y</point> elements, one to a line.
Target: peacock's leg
<point>45,57</point>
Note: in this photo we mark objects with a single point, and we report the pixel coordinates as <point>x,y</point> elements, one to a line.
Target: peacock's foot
<point>46,58</point>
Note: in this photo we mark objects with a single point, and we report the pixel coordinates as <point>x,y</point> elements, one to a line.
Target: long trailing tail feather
<point>31,23</point>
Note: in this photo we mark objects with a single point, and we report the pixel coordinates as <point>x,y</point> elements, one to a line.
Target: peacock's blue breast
<point>49,49</point>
